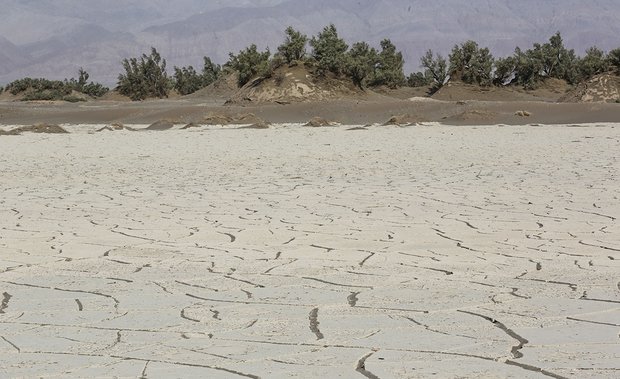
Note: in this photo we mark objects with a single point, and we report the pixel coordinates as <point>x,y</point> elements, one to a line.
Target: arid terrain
<point>377,252</point>
<point>375,110</point>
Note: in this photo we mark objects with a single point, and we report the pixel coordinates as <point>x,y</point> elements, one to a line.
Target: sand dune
<point>312,252</point>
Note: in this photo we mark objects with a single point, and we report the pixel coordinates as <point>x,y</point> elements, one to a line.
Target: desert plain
<point>351,251</point>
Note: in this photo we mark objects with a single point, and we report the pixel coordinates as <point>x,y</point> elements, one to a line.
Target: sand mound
<point>160,125</point>
<point>226,119</point>
<point>475,115</point>
<point>319,121</point>
<point>456,90</point>
<point>217,119</point>
<point>113,127</point>
<point>191,125</point>
<point>258,125</point>
<point>405,119</point>
<point>223,88</point>
<point>523,113</point>
<point>293,85</point>
<point>38,128</point>
<point>604,88</point>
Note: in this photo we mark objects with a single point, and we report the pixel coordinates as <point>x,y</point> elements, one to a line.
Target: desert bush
<point>34,86</point>
<point>614,60</point>
<point>593,63</point>
<point>505,70</point>
<point>44,89</point>
<point>82,85</point>
<point>144,77</point>
<point>418,79</point>
<point>360,62</point>
<point>548,60</point>
<point>249,63</point>
<point>73,99</point>
<point>471,64</point>
<point>210,71</point>
<point>294,46</point>
<point>389,68</point>
<point>328,51</point>
<point>95,89</point>
<point>436,68</point>
<point>46,94</point>
<point>187,80</point>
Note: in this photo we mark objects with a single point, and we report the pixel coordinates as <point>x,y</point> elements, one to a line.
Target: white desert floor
<point>429,251</point>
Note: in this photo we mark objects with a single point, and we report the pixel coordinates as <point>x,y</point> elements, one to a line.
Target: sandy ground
<point>429,251</point>
<point>379,109</point>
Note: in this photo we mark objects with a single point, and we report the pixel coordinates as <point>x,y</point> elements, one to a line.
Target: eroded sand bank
<point>298,252</point>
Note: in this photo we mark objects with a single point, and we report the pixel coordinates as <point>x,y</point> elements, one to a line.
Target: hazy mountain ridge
<point>53,38</point>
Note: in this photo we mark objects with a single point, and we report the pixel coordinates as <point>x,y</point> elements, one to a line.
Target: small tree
<point>555,60</point>
<point>360,62</point>
<point>593,63</point>
<point>505,71</point>
<point>471,64</point>
<point>436,69</point>
<point>294,46</point>
<point>249,63</point>
<point>328,50</point>
<point>82,85</point>
<point>144,77</point>
<point>528,68</point>
<point>418,79</point>
<point>210,72</point>
<point>389,68</point>
<point>614,60</point>
<point>187,80</point>
<point>82,78</point>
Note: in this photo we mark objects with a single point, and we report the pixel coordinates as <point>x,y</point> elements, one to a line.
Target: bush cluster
<point>527,68</point>
<point>366,66</point>
<point>44,89</point>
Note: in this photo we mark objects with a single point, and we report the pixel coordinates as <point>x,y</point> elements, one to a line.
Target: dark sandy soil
<point>379,109</point>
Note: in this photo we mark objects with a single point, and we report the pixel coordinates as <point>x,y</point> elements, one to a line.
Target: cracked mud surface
<point>398,252</point>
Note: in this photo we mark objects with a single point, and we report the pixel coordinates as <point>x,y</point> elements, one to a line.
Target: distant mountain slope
<point>54,37</point>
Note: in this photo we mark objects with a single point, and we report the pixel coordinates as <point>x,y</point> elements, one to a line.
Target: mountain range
<point>53,38</point>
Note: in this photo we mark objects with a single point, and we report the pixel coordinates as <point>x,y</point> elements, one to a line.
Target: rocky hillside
<point>603,88</point>
<point>294,84</point>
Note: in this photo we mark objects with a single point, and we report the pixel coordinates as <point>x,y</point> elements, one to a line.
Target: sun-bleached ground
<point>469,252</point>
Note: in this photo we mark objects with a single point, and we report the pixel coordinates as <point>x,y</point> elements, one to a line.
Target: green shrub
<point>418,79</point>
<point>249,63</point>
<point>294,46</point>
<point>360,62</point>
<point>471,64</point>
<point>144,77</point>
<point>436,69</point>
<point>43,89</point>
<point>614,60</point>
<point>43,95</point>
<point>328,51</point>
<point>388,71</point>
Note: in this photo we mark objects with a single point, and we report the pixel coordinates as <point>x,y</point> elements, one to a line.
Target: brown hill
<point>604,88</point>
<point>293,85</point>
<point>223,88</point>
